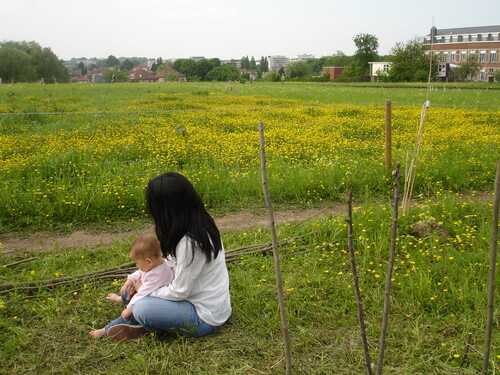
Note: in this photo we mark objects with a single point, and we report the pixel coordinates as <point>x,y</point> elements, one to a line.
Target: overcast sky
<point>229,28</point>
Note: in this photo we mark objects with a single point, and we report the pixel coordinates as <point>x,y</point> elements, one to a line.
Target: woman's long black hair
<point>177,210</point>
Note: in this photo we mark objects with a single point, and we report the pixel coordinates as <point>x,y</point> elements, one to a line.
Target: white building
<point>303,58</point>
<point>379,69</point>
<point>277,62</point>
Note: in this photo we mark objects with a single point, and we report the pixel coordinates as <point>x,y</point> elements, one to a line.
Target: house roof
<point>469,30</point>
<point>140,75</point>
<point>164,71</point>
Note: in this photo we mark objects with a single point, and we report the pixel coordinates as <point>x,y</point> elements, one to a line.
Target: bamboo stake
<point>466,349</point>
<point>491,286</point>
<point>388,279</point>
<point>359,299</point>
<point>410,170</point>
<point>277,269</point>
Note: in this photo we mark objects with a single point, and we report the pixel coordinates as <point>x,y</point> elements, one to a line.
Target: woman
<point>197,302</point>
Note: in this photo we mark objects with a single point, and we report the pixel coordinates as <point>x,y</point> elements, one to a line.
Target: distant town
<point>458,54</point>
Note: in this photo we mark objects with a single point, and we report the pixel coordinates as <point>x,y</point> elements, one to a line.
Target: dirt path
<point>244,220</point>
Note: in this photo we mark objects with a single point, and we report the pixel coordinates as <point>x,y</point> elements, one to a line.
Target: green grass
<point>438,296</point>
<point>105,97</point>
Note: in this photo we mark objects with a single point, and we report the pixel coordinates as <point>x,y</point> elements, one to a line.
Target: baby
<point>154,272</point>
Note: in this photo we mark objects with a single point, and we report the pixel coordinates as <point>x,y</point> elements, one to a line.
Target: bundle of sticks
<point>121,272</point>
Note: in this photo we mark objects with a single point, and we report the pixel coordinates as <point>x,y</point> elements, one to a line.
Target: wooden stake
<point>491,286</point>
<point>359,299</point>
<point>388,138</point>
<point>388,279</point>
<point>277,269</point>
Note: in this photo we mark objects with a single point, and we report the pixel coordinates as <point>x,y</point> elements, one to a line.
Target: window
<point>445,57</point>
<point>493,56</point>
<point>460,38</point>
<point>463,56</point>
<point>492,70</point>
<point>452,57</point>
<point>482,56</point>
<point>386,67</point>
<point>490,37</point>
<point>451,39</point>
<point>481,76</point>
<point>470,38</point>
<point>443,39</point>
<point>479,37</point>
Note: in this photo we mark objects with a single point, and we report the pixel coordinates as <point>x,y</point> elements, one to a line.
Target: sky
<point>229,29</point>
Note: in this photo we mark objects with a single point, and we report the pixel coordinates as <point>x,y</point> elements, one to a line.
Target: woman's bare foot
<point>97,333</point>
<point>113,297</point>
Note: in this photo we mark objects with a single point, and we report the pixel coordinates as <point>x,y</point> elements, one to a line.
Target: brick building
<point>334,71</point>
<point>455,46</point>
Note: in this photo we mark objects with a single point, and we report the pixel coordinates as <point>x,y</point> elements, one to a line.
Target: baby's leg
<point>113,297</point>
<point>97,333</point>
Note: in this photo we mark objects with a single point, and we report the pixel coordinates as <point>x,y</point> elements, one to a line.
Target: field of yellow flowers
<point>63,164</point>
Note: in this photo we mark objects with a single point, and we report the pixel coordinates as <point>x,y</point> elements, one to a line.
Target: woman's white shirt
<point>204,284</point>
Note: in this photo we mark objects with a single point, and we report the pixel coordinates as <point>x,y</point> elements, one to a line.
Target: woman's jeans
<point>160,315</point>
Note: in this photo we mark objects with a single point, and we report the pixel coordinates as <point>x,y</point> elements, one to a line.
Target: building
<point>333,71</point>
<point>277,62</point>
<point>142,73</point>
<point>378,69</point>
<point>303,58</point>
<point>252,73</point>
<point>169,74</point>
<point>455,46</point>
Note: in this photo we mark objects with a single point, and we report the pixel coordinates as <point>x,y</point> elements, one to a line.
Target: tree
<point>253,64</point>
<point>127,65</point>
<point>16,65</point>
<point>115,76</point>
<point>187,67</point>
<point>43,60</point>
<point>409,62</point>
<point>245,62</point>
<point>298,69</point>
<point>226,72</point>
<point>367,45</point>
<point>467,69</point>
<point>264,64</point>
<point>497,75</point>
<point>82,67</point>
<point>202,68</point>
<point>111,61</point>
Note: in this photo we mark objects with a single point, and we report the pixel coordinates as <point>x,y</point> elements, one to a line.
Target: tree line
<point>29,62</point>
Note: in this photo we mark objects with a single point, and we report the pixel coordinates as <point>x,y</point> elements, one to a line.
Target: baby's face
<point>144,264</point>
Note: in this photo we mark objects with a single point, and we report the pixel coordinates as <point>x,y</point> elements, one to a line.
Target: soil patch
<point>243,220</point>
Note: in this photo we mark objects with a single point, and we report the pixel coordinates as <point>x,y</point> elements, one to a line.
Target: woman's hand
<point>126,314</point>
